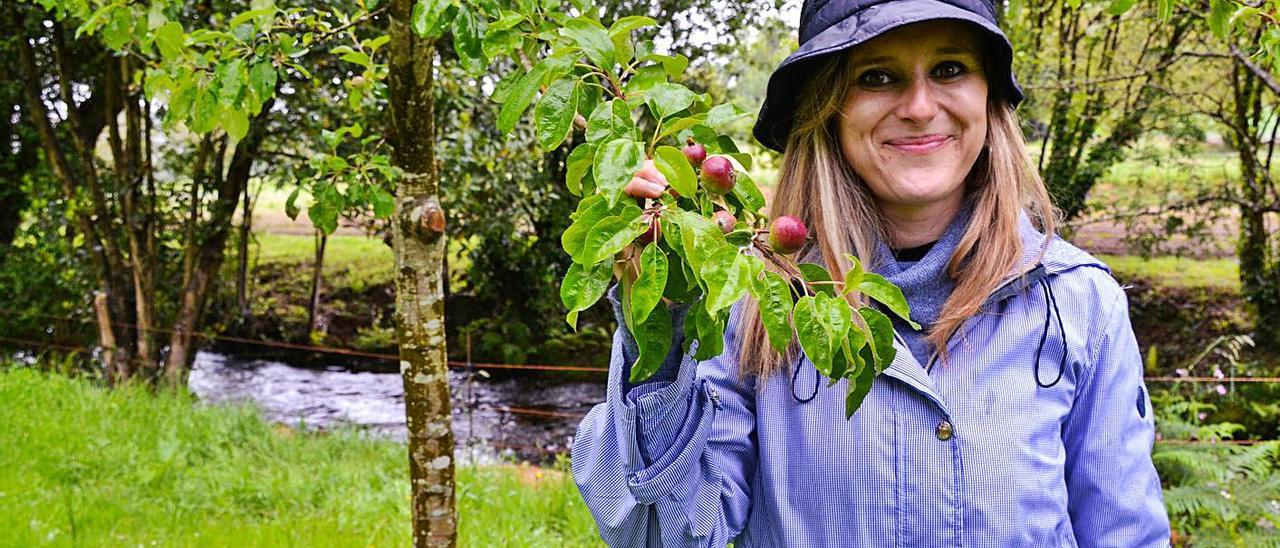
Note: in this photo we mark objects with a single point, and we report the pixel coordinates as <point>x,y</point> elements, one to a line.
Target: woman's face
<point>915,119</point>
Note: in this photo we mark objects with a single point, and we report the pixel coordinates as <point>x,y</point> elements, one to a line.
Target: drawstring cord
<point>1050,301</point>
<point>1051,311</point>
<point>796,375</point>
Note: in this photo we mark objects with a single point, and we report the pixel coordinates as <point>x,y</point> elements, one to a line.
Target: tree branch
<point>1259,72</point>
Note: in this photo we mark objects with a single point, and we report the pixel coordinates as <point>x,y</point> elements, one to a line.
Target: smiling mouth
<point>919,145</point>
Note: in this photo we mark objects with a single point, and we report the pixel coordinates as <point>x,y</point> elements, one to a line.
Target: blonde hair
<point>817,185</point>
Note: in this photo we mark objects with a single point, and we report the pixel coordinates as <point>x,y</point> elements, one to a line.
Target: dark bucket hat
<point>831,26</point>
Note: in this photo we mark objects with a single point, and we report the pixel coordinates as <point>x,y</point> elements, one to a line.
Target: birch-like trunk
<point>418,233</point>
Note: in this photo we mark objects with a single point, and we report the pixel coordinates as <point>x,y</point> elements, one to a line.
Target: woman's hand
<point>646,183</point>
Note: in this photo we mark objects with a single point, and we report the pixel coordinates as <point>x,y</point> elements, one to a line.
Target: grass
<point>349,261</point>
<point>84,466</point>
<point>1177,272</point>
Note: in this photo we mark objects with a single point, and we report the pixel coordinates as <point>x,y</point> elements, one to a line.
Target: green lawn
<point>84,466</point>
<point>1177,272</point>
<point>349,261</point>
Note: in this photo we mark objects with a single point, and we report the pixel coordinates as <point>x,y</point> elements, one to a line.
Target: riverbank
<point>80,465</point>
<point>1179,305</point>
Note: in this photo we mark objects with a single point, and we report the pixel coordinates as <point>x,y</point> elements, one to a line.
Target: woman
<point>1017,417</point>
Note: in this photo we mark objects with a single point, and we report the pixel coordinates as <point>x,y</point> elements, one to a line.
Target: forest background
<point>178,174</point>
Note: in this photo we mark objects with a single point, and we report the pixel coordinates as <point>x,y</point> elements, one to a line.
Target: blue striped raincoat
<point>979,452</point>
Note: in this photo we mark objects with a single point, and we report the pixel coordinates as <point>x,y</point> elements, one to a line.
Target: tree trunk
<point>317,279</point>
<point>1259,265</point>
<point>242,270</point>
<point>205,259</point>
<point>418,238</point>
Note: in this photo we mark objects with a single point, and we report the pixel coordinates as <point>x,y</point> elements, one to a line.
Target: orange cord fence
<point>552,413</point>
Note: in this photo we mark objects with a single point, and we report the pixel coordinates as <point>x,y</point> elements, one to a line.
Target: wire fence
<point>551,413</point>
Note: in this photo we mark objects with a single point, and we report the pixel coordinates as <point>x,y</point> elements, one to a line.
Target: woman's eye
<point>948,70</point>
<point>874,78</point>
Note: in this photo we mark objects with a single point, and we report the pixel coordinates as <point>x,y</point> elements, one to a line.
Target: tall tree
<point>1095,77</point>
<point>418,231</point>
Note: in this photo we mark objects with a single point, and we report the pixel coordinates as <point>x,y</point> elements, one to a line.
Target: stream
<point>527,417</point>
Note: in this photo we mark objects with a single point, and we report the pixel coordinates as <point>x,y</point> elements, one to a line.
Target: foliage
<point>1216,495</point>
<point>599,78</point>
<point>86,466</point>
<point>1095,78</point>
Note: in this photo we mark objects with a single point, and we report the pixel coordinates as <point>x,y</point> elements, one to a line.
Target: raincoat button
<point>945,430</point>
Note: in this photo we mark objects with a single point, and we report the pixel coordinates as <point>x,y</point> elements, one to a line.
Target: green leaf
<point>675,64</point>
<point>839,316</point>
<point>508,20</point>
<point>427,17</point>
<point>1119,7</point>
<point>467,32</point>
<point>877,287</point>
<point>230,81</point>
<point>593,39</point>
<point>620,34</point>
<point>774,296</point>
<point>291,204</point>
<point>262,80</point>
<point>235,122</point>
<point>813,335</point>
<point>554,113</point>
<point>706,329</point>
<point>1220,12</point>
<point>881,336</point>
<point>700,237</point>
<point>1165,10</point>
<point>858,390</point>
<point>671,65</point>
<point>169,40</point>
<point>324,215</point>
<point>728,276</point>
<point>673,165</point>
<point>577,165</point>
<point>644,79</point>
<point>630,23</point>
<point>497,43</point>
<point>384,203</point>
<point>155,16</point>
<point>357,57</point>
<point>181,100</point>
<point>518,99</point>
<point>646,292</point>
<point>854,276</point>
<point>671,127</point>
<point>591,210</point>
<point>653,337</point>
<point>615,164</point>
<point>720,115</point>
<point>582,287</point>
<point>204,115</point>
<point>665,99</point>
<point>746,190</point>
<point>817,273</point>
<point>623,123</point>
<point>246,16</point>
<point>610,236</point>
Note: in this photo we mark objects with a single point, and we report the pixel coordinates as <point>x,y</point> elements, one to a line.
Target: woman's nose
<point>919,102</point>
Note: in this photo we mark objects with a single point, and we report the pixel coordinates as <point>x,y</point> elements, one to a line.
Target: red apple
<point>717,175</point>
<point>787,234</point>
<point>726,221</point>
<point>695,152</point>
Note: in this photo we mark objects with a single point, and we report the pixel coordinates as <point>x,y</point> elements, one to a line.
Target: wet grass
<point>350,261</point>
<point>1176,272</point>
<point>85,466</point>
